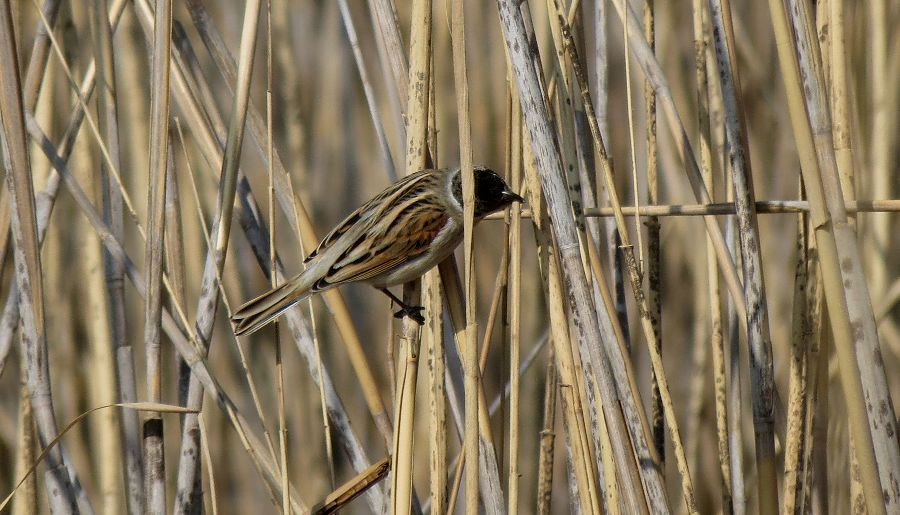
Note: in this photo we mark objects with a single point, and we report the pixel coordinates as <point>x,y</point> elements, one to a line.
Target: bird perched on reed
<point>393,238</point>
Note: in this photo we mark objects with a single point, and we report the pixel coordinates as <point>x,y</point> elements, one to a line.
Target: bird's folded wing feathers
<point>400,242</point>
<point>371,211</point>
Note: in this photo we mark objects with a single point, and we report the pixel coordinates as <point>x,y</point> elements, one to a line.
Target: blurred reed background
<point>713,364</point>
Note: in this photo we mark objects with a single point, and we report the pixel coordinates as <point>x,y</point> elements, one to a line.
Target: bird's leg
<point>413,312</point>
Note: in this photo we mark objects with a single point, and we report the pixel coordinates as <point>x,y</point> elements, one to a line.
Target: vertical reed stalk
<point>872,423</point>
<point>470,353</point>
<point>416,159</point>
<point>154,451</point>
<point>562,222</point>
<point>762,374</point>
<point>654,261</point>
<point>431,299</point>
<point>547,440</point>
<point>704,115</point>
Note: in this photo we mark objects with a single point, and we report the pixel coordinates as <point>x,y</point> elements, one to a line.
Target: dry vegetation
<point>635,355</point>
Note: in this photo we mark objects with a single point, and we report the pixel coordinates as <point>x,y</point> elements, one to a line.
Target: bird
<point>395,237</point>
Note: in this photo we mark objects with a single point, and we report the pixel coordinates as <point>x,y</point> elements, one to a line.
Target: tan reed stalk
<point>469,355</point>
<point>385,19</point>
<point>342,496</point>
<point>634,417</point>
<point>60,490</point>
<point>153,445</point>
<point>814,481</point>
<point>279,364</point>
<point>297,215</point>
<point>27,500</point>
<point>437,407</point>
<point>210,469</point>
<point>882,121</point>
<point>514,280</point>
<point>4,236</point>
<point>575,424</point>
<point>571,397</point>
<point>577,397</point>
<point>634,273</point>
<point>727,208</point>
<point>707,165</point>
<point>102,386</point>
<point>840,98</point>
<point>845,175</point>
<point>418,100</point>
<point>547,440</point>
<point>801,333</point>
<point>653,263</point>
<point>762,374</point>
<point>489,477</point>
<point>601,97</point>
<point>113,329</point>
<point>850,311</point>
<point>402,456</point>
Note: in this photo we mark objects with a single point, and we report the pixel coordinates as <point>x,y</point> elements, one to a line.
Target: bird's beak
<point>512,197</point>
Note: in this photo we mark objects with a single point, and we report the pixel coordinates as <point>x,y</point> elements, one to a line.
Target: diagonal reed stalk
<point>563,227</point>
<point>338,106</point>
<point>215,259</point>
<point>296,215</point>
<point>61,485</point>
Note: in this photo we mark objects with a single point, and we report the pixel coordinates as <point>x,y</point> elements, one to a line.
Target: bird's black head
<point>491,192</point>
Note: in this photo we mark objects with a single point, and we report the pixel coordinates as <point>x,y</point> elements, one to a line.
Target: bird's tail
<point>258,312</point>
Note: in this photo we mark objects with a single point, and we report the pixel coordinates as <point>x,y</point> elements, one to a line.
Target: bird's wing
<point>401,235</point>
<point>370,212</point>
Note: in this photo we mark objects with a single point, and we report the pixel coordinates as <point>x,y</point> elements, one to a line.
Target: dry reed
<point>123,131</point>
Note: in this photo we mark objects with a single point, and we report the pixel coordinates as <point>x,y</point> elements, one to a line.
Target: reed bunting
<point>397,236</point>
